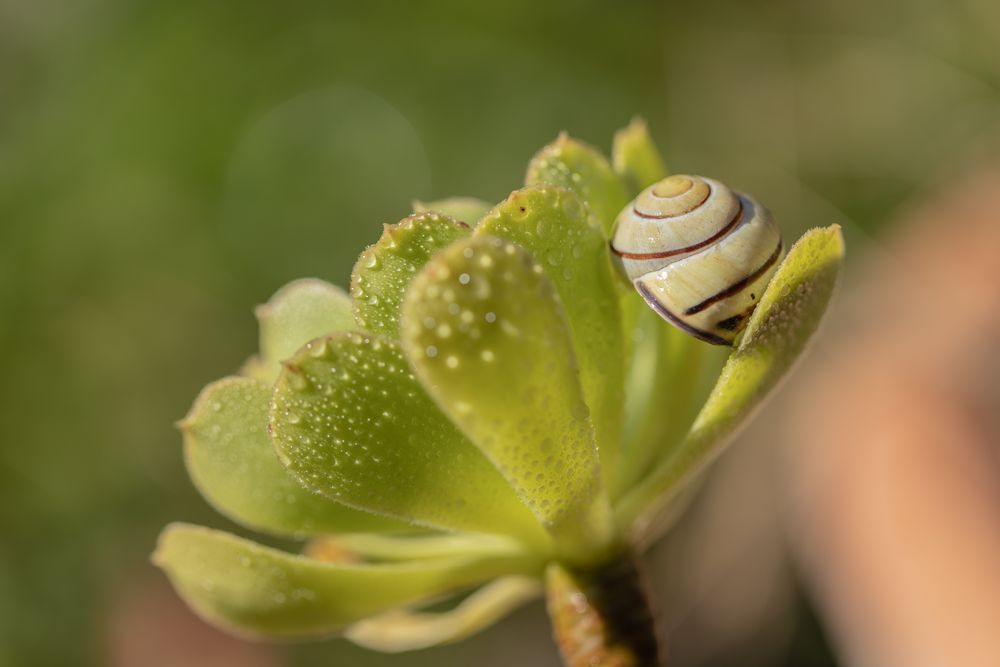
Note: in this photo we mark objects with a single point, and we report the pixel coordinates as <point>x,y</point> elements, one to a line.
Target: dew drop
<point>572,206</point>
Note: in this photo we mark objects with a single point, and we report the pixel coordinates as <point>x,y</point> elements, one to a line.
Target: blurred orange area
<point>894,444</point>
<point>149,626</point>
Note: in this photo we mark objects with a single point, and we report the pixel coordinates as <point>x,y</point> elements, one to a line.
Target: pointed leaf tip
<point>383,271</point>
<point>576,166</point>
<point>298,312</point>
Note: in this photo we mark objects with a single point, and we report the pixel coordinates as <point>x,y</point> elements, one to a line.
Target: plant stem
<point>602,617</point>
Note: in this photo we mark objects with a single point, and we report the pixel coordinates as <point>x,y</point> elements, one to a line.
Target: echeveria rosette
<point>490,407</point>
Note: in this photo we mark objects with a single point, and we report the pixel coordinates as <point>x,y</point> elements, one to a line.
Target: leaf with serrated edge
<point>485,331</point>
<point>466,209</point>
<point>553,225</point>
<point>230,459</point>
<point>636,158</point>
<point>785,318</point>
<point>297,313</point>
<point>350,421</point>
<point>400,630</point>
<point>581,168</point>
<point>384,269</point>
<point>254,590</point>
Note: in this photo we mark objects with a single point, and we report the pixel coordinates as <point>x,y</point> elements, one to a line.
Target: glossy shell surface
<point>699,253</point>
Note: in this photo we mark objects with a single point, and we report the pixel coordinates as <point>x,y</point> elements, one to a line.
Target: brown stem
<point>602,616</point>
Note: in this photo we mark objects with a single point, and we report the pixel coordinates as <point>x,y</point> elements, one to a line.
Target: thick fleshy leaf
<point>636,158</point>
<point>581,168</point>
<point>232,462</point>
<point>485,331</point>
<point>786,317</point>
<point>400,630</point>
<point>350,421</point>
<point>465,209</point>
<point>384,270</point>
<point>298,312</point>
<point>374,547</point>
<point>670,376</point>
<point>553,225</point>
<point>250,589</point>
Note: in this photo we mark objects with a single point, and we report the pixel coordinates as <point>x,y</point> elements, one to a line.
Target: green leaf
<point>466,209</point>
<point>485,331</point>
<point>786,317</point>
<point>375,547</point>
<point>384,270</point>
<point>636,158</point>
<point>669,378</point>
<point>350,421</point>
<point>250,589</point>
<point>232,462</point>
<point>554,226</point>
<point>581,168</point>
<point>298,312</point>
<point>400,630</point>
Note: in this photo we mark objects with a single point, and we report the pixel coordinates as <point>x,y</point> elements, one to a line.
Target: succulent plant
<point>491,413</point>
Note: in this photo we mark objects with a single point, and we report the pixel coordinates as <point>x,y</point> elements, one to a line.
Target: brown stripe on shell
<point>691,248</point>
<point>737,286</point>
<point>676,321</point>
<point>650,216</point>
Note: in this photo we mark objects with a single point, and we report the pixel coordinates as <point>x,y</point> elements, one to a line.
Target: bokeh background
<point>164,166</point>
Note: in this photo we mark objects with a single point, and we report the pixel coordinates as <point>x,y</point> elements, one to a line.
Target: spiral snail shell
<point>699,253</point>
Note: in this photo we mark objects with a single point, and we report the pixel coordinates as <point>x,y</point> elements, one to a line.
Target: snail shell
<point>699,253</point>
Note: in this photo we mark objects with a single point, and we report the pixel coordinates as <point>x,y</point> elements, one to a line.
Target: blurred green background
<point>164,166</point>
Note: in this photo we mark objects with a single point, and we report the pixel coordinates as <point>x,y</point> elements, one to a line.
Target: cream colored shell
<point>699,253</point>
